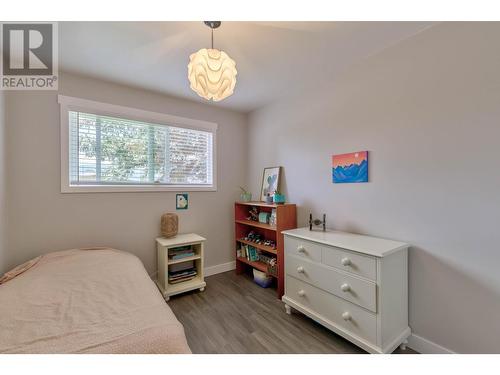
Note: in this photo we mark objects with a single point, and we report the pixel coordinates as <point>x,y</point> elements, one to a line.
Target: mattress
<point>86,301</point>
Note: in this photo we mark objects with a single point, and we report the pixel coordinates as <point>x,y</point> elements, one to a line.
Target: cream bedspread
<point>87,301</point>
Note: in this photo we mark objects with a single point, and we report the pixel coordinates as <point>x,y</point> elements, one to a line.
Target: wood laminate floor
<point>234,315</point>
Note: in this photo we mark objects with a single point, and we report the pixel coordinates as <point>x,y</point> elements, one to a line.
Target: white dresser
<point>355,285</point>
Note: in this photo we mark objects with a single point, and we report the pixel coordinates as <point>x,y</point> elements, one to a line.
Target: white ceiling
<point>272,58</point>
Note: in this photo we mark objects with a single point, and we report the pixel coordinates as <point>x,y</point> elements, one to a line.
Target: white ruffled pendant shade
<point>212,74</point>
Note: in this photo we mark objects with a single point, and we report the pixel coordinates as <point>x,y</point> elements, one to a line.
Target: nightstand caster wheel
<point>288,310</point>
<point>202,289</point>
<point>403,345</point>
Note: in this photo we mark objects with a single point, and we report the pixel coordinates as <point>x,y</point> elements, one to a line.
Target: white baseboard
<point>425,346</point>
<point>219,268</point>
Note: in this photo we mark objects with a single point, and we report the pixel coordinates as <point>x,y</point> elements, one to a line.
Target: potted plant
<point>278,197</point>
<point>245,195</point>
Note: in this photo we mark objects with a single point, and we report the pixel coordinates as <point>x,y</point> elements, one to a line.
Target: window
<point>113,148</point>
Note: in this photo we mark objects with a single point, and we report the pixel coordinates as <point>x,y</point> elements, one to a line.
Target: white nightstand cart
<point>357,286</point>
<point>163,245</point>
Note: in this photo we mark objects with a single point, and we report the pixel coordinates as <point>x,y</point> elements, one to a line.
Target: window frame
<point>68,103</point>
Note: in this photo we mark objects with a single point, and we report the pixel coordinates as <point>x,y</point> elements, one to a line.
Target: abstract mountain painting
<point>352,167</point>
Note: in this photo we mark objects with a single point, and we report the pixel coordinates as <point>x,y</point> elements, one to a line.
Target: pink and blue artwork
<point>348,168</point>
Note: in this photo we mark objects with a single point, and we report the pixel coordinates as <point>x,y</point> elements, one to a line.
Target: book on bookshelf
<point>244,251</point>
<point>253,256</point>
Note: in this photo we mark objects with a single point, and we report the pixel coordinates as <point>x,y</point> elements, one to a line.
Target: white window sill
<point>133,188</point>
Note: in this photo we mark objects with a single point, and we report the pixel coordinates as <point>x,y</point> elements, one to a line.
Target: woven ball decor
<point>169,225</point>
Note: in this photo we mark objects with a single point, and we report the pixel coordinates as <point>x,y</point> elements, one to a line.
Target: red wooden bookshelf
<point>286,218</point>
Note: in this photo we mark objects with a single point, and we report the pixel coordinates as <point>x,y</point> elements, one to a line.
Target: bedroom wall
<point>428,111</point>
<point>42,219</point>
<point>3,192</point>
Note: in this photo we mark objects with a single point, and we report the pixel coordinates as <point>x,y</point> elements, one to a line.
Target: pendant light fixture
<point>212,73</point>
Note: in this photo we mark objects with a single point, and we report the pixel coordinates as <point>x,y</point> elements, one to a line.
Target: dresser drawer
<point>342,284</point>
<point>342,313</point>
<point>305,249</point>
<point>359,264</point>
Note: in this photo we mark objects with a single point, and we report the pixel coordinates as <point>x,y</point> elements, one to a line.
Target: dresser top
<point>378,247</point>
<point>180,239</point>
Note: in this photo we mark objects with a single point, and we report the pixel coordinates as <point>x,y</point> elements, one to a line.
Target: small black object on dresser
<point>317,222</point>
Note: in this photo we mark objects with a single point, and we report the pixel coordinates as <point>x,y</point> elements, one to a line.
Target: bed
<point>97,300</point>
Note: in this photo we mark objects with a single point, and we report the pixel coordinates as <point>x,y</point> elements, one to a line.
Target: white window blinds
<point>106,150</point>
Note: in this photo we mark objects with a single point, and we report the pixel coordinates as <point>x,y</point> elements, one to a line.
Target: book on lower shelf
<point>181,266</point>
<point>248,252</point>
<point>175,277</point>
<point>181,280</point>
<point>251,254</point>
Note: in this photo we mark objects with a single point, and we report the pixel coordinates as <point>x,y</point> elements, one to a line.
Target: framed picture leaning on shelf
<point>270,182</point>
